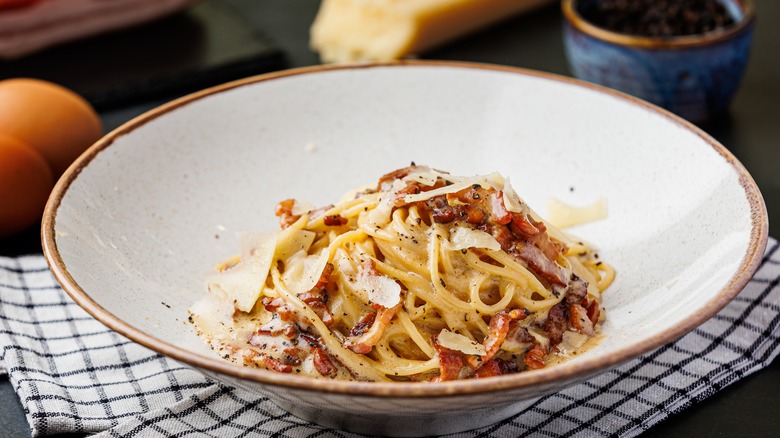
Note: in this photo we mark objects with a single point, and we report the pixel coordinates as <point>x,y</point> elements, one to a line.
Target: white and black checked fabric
<point>72,374</point>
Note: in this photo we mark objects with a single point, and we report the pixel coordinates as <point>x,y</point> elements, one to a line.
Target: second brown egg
<point>56,122</point>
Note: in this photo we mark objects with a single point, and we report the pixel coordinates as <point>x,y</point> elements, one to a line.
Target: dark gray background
<point>751,131</point>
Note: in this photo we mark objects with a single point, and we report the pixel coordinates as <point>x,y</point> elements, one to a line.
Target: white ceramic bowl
<point>148,210</point>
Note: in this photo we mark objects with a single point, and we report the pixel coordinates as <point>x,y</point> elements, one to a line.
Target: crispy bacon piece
<point>277,305</point>
<point>534,358</point>
<point>577,291</point>
<point>309,339</point>
<point>548,248</point>
<point>441,211</point>
<point>521,225</point>
<point>471,204</point>
<point>327,271</point>
<point>594,311</point>
<point>363,343</point>
<point>499,327</point>
<point>293,356</point>
<point>412,188</point>
<point>489,369</point>
<point>495,367</point>
<point>450,363</point>
<point>275,364</point>
<point>536,260</point>
<point>322,311</point>
<point>322,362</point>
<point>334,220</point>
<point>469,195</point>
<point>579,320</point>
<point>272,304</point>
<point>504,236</point>
<point>289,331</point>
<point>473,214</point>
<point>284,211</point>
<point>363,324</point>
<point>519,334</point>
<point>268,362</point>
<point>317,296</point>
<point>528,240</point>
<point>556,323</point>
<point>501,215</point>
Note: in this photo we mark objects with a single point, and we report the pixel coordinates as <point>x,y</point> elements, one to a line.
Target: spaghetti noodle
<point>425,277</point>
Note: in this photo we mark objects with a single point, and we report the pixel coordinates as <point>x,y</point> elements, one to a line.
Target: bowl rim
<point>576,20</point>
<point>562,372</point>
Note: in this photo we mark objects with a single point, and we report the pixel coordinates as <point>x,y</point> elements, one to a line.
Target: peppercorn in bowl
<point>687,56</point>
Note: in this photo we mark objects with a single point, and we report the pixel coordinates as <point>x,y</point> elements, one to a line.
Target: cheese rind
<point>383,30</point>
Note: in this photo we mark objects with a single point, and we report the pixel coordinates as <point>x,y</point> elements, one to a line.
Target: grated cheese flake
<point>381,290</point>
<point>570,342</point>
<point>302,207</point>
<point>563,215</point>
<point>380,215</point>
<point>455,341</point>
<point>242,283</point>
<point>423,175</point>
<point>512,200</point>
<point>465,238</point>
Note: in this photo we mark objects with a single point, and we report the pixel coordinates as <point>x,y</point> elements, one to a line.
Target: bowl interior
<point>144,215</point>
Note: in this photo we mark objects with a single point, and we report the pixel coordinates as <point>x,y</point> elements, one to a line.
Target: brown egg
<point>51,119</point>
<point>25,183</point>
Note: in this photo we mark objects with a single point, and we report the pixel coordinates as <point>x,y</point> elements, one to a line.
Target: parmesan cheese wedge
<point>383,30</point>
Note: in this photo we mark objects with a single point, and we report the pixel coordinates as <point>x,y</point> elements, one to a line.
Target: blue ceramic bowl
<point>694,76</point>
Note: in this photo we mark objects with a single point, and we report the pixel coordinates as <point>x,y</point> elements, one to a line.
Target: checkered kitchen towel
<point>72,374</point>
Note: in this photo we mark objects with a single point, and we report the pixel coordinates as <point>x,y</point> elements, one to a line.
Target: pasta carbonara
<point>425,276</point>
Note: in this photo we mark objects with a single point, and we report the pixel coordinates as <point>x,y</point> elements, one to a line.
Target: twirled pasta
<point>427,276</point>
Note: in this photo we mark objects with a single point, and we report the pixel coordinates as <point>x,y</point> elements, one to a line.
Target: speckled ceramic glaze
<point>135,224</point>
<point>693,76</point>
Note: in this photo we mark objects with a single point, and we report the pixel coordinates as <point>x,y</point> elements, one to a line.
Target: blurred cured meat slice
<point>32,25</point>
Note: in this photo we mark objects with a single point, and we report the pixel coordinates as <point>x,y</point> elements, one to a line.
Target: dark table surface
<point>749,407</point>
